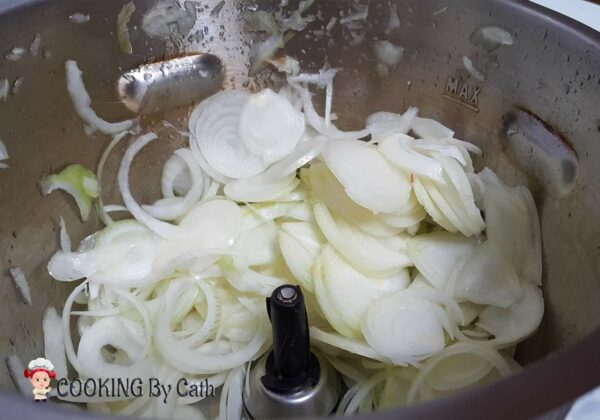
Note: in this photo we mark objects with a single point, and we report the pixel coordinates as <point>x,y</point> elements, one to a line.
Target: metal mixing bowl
<point>551,72</point>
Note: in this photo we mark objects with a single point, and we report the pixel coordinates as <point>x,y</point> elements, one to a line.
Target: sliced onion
<point>381,124</point>
<point>100,208</point>
<point>258,189</point>
<point>21,282</point>
<point>484,277</point>
<point>65,240</point>
<point>258,245</point>
<point>320,124</point>
<point>123,334</point>
<point>344,294</point>
<point>175,207</point>
<point>408,217</point>
<point>54,346</point>
<point>517,322</point>
<point>350,345</point>
<point>506,206</point>
<point>300,244</point>
<point>246,280</point>
<point>364,252</point>
<point>269,126</point>
<point>398,150</point>
<point>159,227</point>
<point>426,128</point>
<point>360,168</point>
<point>415,324</point>
<point>485,353</point>
<point>216,132</point>
<point>82,102</point>
<point>304,153</point>
<point>436,254</point>
<point>176,178</point>
<point>198,362</point>
<point>327,188</point>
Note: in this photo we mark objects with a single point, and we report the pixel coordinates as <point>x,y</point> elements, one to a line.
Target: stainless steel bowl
<point>551,72</point>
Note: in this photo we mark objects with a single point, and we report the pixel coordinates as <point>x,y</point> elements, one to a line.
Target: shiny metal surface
<point>261,403</point>
<point>551,70</point>
<point>170,84</point>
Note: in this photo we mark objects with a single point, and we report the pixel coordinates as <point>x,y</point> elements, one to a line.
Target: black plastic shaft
<point>290,365</point>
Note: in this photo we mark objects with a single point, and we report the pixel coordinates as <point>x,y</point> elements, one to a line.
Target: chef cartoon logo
<point>40,373</point>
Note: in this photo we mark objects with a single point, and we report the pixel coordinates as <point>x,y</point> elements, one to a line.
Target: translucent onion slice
<point>458,371</point>
<point>159,227</point>
<point>426,128</point>
<point>259,189</point>
<point>258,245</point>
<point>198,360</point>
<point>484,277</point>
<point>485,353</point>
<point>344,294</point>
<point>517,322</point>
<point>436,254</point>
<point>361,169</point>
<point>175,207</point>
<point>304,153</point>
<point>319,123</point>
<point>257,214</point>
<point>513,206</point>
<point>350,345</point>
<point>269,126</point>
<point>246,280</point>
<point>364,252</point>
<point>416,325</point>
<point>409,217</point>
<point>82,102</point>
<point>21,283</point>
<point>217,135</point>
<point>176,179</point>
<point>54,345</point>
<point>461,192</point>
<point>126,336</point>
<point>300,244</point>
<point>65,239</point>
<point>324,186</point>
<point>383,124</point>
<point>399,150</point>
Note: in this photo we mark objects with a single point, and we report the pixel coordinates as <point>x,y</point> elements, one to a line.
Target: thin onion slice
<point>364,252</point>
<point>159,227</point>
<point>216,132</point>
<point>82,102</point>
<point>259,189</point>
<point>360,168</point>
<point>305,152</point>
<point>269,126</point>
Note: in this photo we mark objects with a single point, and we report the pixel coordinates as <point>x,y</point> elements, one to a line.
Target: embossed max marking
<point>462,93</point>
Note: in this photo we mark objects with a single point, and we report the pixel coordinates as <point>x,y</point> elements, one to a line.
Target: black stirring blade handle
<point>290,365</point>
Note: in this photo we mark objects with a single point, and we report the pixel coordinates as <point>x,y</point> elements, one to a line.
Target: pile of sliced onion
<point>411,292</point>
